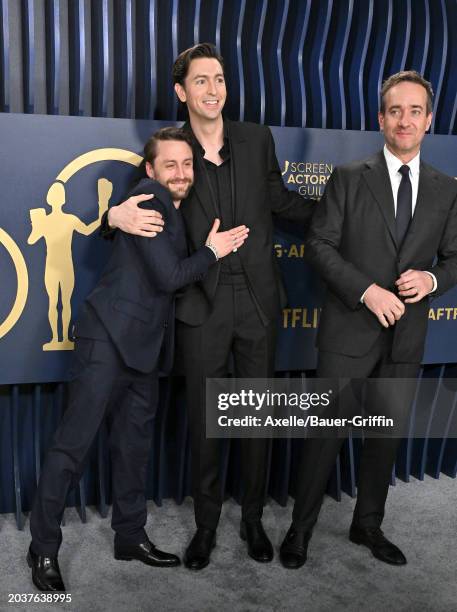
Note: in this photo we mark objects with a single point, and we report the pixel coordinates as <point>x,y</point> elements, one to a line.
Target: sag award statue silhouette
<point>57,229</point>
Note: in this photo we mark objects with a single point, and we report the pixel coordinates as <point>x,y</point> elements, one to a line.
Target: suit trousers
<point>100,386</point>
<point>234,327</point>
<point>391,399</point>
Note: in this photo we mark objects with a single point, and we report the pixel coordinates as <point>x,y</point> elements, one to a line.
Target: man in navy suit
<point>124,340</point>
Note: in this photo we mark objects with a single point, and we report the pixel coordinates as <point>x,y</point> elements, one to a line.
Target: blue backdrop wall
<point>305,63</point>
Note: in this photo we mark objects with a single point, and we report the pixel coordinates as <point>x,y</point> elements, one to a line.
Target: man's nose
<point>179,174</point>
<point>212,87</point>
<point>404,119</point>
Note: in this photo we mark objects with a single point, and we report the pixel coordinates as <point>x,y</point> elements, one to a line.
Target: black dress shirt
<point>221,189</point>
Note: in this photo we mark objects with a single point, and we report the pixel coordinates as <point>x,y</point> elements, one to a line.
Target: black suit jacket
<point>352,245</point>
<point>259,192</point>
<point>134,298</point>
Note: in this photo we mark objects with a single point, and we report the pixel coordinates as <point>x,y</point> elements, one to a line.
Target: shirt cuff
<point>362,299</point>
<point>435,282</point>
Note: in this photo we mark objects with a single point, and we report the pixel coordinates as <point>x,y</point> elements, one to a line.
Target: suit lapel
<point>378,181</point>
<point>426,194</point>
<point>239,165</point>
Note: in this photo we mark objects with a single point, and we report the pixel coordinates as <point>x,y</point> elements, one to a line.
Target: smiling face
<point>204,90</point>
<point>405,119</point>
<point>173,167</point>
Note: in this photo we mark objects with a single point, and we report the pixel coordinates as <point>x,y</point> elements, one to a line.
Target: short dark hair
<point>166,133</point>
<point>410,76</point>
<point>182,62</point>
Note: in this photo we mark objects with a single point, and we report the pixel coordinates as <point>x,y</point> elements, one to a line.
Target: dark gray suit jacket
<point>352,244</point>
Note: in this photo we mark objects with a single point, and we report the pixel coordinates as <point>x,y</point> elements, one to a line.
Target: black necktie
<point>404,205</point>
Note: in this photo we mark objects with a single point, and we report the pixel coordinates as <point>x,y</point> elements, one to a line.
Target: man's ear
<point>180,92</point>
<point>429,121</point>
<point>150,170</point>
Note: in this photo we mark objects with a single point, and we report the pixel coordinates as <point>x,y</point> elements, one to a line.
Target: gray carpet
<point>421,518</point>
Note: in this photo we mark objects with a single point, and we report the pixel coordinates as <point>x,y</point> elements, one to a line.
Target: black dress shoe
<point>199,550</point>
<point>294,549</point>
<point>382,549</point>
<point>145,552</point>
<point>45,572</point>
<point>259,546</point>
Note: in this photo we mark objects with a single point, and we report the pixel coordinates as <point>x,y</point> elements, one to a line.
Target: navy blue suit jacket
<point>352,243</point>
<point>133,302</point>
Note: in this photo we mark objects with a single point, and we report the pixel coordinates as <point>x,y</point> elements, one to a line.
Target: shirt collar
<point>394,163</point>
<point>198,147</point>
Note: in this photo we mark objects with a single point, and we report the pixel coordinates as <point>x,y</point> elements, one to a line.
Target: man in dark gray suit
<point>374,239</point>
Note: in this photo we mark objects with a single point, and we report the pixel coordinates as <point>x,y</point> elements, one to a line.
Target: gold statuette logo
<point>57,228</point>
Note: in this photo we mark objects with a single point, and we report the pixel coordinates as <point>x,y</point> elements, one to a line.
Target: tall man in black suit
<point>374,239</point>
<point>124,340</point>
<point>237,177</point>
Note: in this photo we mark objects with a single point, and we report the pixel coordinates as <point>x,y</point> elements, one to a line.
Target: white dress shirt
<point>393,166</point>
